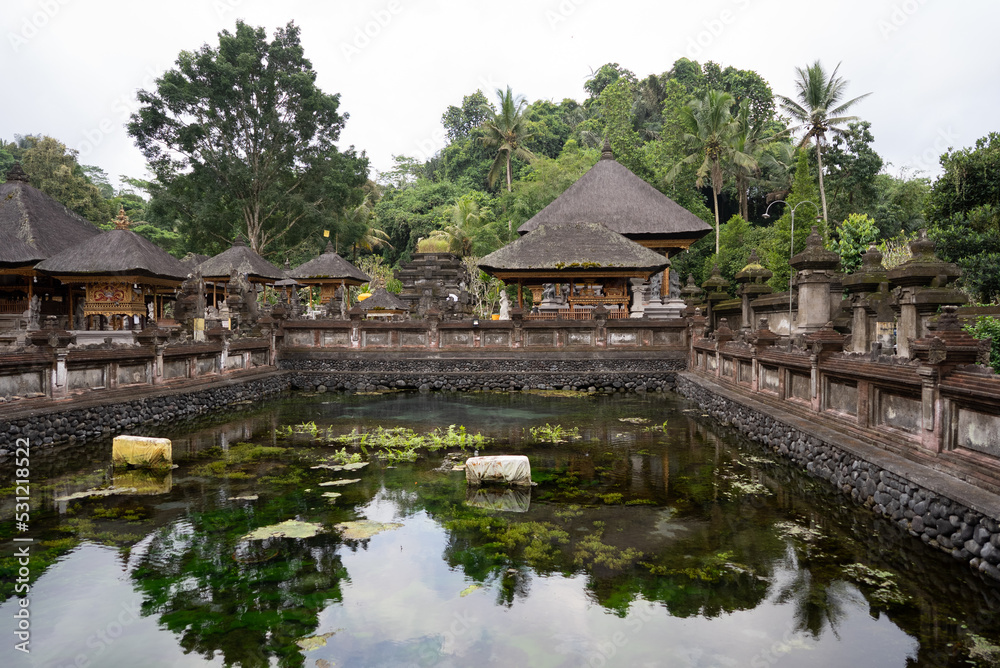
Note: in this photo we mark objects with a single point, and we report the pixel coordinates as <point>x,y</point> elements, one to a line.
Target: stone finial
<point>815,256</point>
<point>16,173</point>
<point>924,268</point>
<point>240,240</point>
<point>329,248</point>
<point>606,152</point>
<point>948,320</point>
<point>871,260</point>
<point>716,281</point>
<point>122,222</point>
<point>754,271</point>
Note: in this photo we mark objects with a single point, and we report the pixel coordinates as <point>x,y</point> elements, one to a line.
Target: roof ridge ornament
<point>606,152</point>
<point>17,173</point>
<point>240,240</point>
<point>122,222</point>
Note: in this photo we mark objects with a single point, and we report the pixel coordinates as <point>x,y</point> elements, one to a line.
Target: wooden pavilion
<point>239,259</point>
<point>33,227</point>
<point>329,271</point>
<point>121,274</point>
<point>595,261</point>
<point>609,193</point>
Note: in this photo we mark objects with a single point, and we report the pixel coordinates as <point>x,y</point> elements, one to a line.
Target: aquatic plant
<point>592,551</point>
<point>554,433</point>
<point>881,586</point>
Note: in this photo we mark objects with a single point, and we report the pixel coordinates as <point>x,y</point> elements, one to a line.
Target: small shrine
<point>329,272</point>
<point>121,273</point>
<point>238,259</point>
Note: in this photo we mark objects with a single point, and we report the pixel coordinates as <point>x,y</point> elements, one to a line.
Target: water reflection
<point>653,539</point>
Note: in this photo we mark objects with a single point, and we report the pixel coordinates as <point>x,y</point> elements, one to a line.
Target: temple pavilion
<point>124,278</point>
<point>33,227</point>
<point>329,271</point>
<point>560,244</point>
<point>239,259</point>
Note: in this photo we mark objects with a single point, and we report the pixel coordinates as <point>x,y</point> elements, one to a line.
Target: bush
<point>988,327</point>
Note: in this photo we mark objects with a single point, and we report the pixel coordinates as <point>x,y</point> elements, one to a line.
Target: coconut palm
<point>748,144</point>
<point>818,110</point>
<point>465,223</point>
<point>507,131</point>
<point>709,131</point>
<point>362,218</point>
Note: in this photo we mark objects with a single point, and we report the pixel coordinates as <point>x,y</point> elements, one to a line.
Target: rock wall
<point>101,420</point>
<point>470,374</point>
<point>939,521</point>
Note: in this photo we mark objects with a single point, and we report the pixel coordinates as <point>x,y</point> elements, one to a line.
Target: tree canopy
<point>241,139</point>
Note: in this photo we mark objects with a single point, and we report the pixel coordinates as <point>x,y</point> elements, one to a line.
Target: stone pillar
<point>920,286</point>
<point>639,288</point>
<point>867,286</point>
<point>822,344</point>
<point>815,272</point>
<point>752,281</point>
<point>715,288</point>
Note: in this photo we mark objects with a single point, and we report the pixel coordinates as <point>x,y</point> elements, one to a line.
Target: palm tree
<point>748,146</point>
<point>507,131</point>
<point>819,110</point>
<point>362,218</point>
<point>465,222</point>
<point>709,129</point>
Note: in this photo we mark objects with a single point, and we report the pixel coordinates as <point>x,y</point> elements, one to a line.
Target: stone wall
<point>91,419</point>
<point>605,373</point>
<point>942,511</point>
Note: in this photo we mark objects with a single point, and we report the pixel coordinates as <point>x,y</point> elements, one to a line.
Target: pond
<point>652,537</point>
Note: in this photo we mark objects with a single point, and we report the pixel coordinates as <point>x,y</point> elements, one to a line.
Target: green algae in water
<point>286,529</point>
<point>554,434</point>
<point>881,585</point>
<point>365,529</point>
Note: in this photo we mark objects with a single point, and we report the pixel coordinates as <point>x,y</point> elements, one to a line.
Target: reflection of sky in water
<point>415,615</point>
<point>402,602</point>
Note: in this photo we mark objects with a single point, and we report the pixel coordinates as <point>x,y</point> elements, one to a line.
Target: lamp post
<point>791,247</point>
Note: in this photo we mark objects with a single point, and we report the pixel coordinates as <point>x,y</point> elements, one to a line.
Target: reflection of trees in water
<point>249,601</point>
<point>813,591</point>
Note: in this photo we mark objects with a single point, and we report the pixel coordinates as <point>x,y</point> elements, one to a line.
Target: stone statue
<point>150,311</point>
<point>504,306</point>
<point>675,285</point>
<point>34,313</point>
<point>548,292</point>
<point>79,321</point>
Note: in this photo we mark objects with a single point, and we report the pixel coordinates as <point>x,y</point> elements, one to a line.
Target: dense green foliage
<point>241,139</point>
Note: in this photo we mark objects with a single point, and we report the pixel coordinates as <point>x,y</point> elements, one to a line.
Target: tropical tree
<point>241,138</point>
<point>507,131</point>
<point>465,222</point>
<point>360,220</point>
<point>748,144</point>
<point>818,110</point>
<point>709,132</point>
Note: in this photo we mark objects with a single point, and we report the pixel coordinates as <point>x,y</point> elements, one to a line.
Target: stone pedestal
<point>816,270</point>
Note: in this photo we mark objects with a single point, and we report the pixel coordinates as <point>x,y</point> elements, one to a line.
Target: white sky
<point>70,68</point>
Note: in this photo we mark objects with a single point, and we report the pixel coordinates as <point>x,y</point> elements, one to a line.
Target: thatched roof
<point>16,253</point>
<point>192,260</point>
<point>611,194</point>
<point>118,253</point>
<point>37,221</point>
<point>329,266</point>
<point>573,248</point>
<point>242,260</point>
<point>383,300</point>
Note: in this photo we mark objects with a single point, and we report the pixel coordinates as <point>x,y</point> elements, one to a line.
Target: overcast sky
<point>70,68</point>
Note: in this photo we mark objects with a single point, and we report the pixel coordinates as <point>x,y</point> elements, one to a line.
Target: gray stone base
<point>943,512</point>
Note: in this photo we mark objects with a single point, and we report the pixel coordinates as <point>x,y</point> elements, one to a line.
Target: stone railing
<point>54,367</point>
<point>485,335</point>
<point>938,407</point>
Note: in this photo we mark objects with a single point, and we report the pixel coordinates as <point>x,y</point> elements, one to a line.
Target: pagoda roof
<point>573,249</point>
<point>330,266</point>
<point>241,259</point>
<point>611,194</point>
<point>383,300</point>
<point>119,252</point>
<point>37,221</point>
